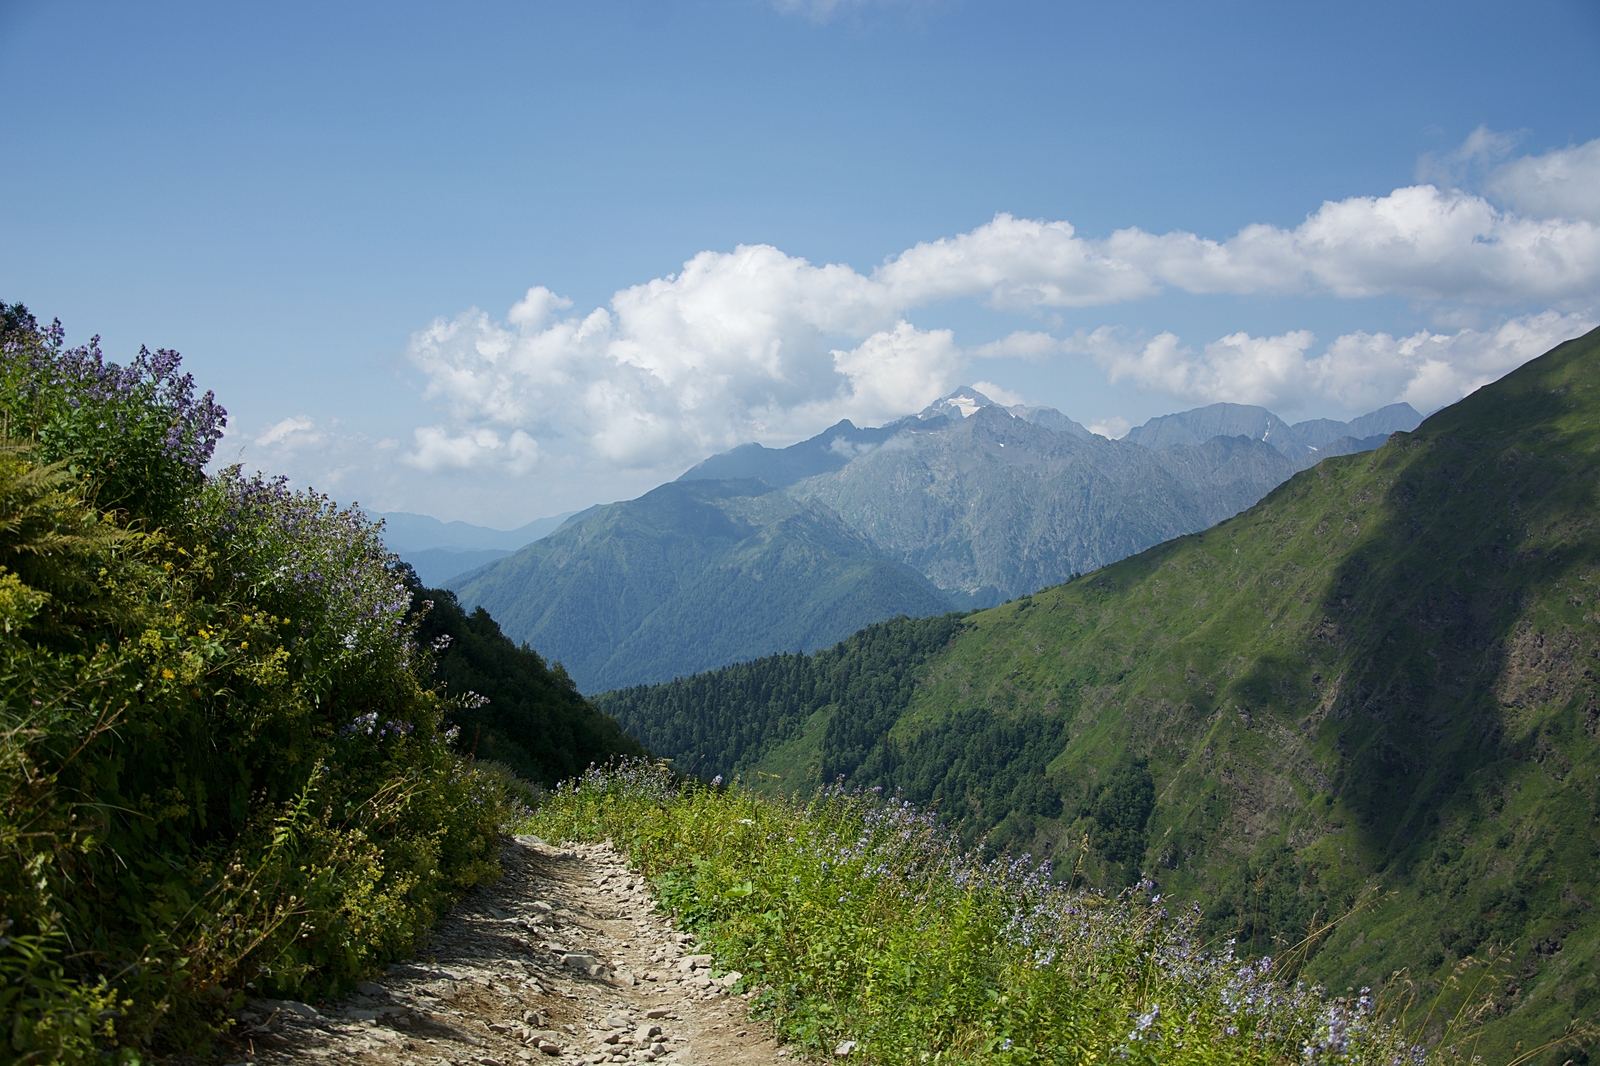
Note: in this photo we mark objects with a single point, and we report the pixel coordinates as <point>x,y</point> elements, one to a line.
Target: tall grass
<point>867,931</point>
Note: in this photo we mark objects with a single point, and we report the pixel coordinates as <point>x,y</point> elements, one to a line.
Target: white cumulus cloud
<point>1357,371</point>
<point>1016,262</point>
<point>736,346</point>
<point>1559,184</point>
<point>1419,242</point>
<point>297,429</point>
<point>437,449</point>
<point>1023,344</point>
<point>755,344</point>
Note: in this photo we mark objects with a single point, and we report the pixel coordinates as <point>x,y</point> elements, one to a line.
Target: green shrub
<point>223,768</point>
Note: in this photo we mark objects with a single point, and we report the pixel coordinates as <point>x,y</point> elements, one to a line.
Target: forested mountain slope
<point>514,707</point>
<point>1380,678</point>
<point>689,576</point>
<point>729,721</point>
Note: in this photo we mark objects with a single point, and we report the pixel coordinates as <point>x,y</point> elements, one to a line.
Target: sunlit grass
<point>864,928</point>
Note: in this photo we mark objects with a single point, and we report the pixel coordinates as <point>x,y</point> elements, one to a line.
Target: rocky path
<point>563,961</point>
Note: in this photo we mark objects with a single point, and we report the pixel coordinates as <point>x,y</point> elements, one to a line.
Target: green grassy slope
<point>1380,678</point>
<point>1383,675</point>
<point>690,576</point>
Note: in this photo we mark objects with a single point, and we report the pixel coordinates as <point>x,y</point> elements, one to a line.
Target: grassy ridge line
<point>862,921</point>
<point>1383,674</point>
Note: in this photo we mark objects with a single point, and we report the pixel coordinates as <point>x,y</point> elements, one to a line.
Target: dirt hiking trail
<point>564,960</point>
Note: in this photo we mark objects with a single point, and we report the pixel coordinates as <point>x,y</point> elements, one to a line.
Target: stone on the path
<point>583,962</point>
<point>288,1006</point>
<point>695,962</point>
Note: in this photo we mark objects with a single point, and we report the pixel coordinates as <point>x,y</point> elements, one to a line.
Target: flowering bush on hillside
<point>192,803</point>
<point>137,434</point>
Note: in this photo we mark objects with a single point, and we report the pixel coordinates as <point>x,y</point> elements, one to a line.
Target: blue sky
<point>313,203</point>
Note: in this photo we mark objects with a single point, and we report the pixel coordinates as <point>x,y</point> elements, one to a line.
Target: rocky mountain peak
<point>961,403</point>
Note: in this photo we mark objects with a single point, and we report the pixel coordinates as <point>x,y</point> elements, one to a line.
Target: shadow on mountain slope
<point>1450,608</point>
<point>1453,708</point>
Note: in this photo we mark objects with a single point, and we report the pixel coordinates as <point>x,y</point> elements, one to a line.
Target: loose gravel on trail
<point>564,960</point>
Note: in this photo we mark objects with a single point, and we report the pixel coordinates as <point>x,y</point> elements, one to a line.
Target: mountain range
<point>1304,442</point>
<point>693,575</point>
<point>1370,696</point>
<point>964,505</point>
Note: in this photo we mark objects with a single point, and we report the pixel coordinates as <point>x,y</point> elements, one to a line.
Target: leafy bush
<point>136,435</point>
<point>222,766</point>
<point>859,920</point>
<point>515,709</point>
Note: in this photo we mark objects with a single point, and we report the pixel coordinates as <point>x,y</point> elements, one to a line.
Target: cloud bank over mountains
<point>758,344</point>
<point>1358,371</point>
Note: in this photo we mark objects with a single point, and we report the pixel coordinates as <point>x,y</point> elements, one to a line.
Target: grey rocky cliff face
<point>993,506</point>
